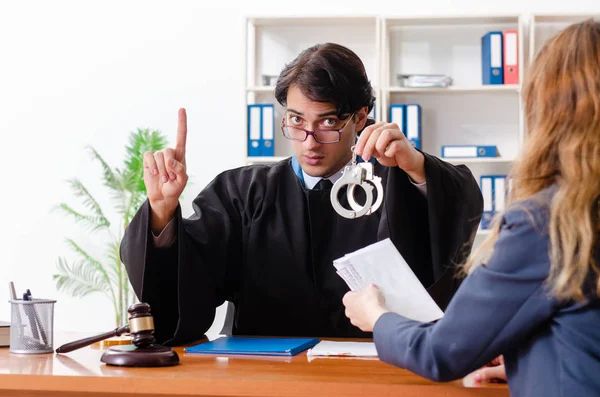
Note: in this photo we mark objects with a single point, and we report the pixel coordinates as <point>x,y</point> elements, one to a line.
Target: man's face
<point>315,158</point>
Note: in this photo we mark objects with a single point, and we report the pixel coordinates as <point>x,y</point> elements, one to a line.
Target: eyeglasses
<point>322,136</point>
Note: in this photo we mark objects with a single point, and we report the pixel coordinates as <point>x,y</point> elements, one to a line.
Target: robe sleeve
<point>454,206</point>
<point>184,283</point>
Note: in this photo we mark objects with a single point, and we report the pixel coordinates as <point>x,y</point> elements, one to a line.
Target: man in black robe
<point>264,237</point>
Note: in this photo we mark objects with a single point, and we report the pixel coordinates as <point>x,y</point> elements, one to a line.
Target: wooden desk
<point>80,373</point>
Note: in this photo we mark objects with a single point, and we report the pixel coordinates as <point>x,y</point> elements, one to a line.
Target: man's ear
<point>361,118</point>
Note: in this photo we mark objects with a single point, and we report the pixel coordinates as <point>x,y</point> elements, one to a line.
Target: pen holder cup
<point>32,326</point>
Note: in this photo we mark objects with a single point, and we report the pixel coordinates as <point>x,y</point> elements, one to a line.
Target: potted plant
<point>107,275</point>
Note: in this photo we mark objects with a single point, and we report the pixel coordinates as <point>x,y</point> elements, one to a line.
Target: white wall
<point>74,73</point>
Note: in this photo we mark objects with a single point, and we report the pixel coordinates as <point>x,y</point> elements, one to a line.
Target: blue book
<point>494,191</point>
<point>468,151</point>
<point>412,124</point>
<point>254,130</point>
<point>254,346</point>
<point>491,58</point>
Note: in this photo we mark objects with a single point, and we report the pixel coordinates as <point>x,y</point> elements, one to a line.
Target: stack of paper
<point>424,80</point>
<point>349,349</point>
<point>381,264</point>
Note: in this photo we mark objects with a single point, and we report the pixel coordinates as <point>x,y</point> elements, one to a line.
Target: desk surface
<point>82,373</point>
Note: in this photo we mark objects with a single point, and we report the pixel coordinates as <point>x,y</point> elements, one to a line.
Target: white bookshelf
<point>544,26</point>
<point>476,114</point>
<point>273,42</point>
<point>465,113</point>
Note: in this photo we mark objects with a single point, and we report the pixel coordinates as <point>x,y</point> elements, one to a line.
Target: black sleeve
<point>455,206</point>
<point>186,282</point>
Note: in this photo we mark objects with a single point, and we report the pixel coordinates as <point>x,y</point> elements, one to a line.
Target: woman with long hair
<point>532,291</point>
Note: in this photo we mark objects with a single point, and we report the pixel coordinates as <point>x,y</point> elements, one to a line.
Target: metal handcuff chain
<point>374,180</point>
<point>357,175</point>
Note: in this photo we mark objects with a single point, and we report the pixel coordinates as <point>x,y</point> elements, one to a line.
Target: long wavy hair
<point>561,97</point>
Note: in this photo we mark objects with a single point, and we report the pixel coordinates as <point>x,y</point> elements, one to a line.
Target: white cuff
<point>421,186</point>
<point>166,237</point>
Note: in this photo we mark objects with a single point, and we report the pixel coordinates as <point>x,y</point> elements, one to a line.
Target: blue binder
<point>261,130</point>
<point>493,190</point>
<point>254,346</point>
<point>412,128</point>
<point>491,58</point>
<point>398,115</point>
<point>267,131</point>
<point>469,151</point>
<point>254,130</point>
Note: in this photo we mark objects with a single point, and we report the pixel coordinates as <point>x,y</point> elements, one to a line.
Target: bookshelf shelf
<point>448,21</point>
<point>322,21</point>
<point>512,88</point>
<point>261,89</point>
<point>265,159</point>
<point>478,160</point>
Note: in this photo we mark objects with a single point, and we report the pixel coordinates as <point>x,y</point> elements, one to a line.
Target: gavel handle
<point>69,347</point>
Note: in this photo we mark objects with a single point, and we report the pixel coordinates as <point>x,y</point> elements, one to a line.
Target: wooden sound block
<point>132,356</point>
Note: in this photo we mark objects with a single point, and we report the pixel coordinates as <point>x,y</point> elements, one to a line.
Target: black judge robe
<point>260,239</point>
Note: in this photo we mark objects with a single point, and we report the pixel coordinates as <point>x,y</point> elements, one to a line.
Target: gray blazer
<point>550,348</point>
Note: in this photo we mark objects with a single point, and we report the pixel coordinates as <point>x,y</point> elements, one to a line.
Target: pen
<point>29,313</point>
<point>36,321</point>
<point>13,296</point>
<point>11,288</point>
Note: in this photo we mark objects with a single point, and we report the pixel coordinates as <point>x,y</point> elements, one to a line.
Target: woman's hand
<point>365,307</point>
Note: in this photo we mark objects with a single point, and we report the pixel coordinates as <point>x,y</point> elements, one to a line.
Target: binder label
<point>412,117</point>
<point>511,49</point>
<point>268,122</point>
<point>496,51</point>
<point>486,191</point>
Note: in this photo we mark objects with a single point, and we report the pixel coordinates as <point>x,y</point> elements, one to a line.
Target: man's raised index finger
<point>181,134</point>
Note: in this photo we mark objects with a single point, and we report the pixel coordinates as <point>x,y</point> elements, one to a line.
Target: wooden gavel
<point>141,327</point>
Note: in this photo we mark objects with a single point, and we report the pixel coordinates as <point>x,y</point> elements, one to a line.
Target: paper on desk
<point>382,265</point>
<point>351,349</point>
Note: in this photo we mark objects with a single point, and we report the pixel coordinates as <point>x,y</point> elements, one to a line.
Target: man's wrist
<point>160,216</point>
<point>417,174</point>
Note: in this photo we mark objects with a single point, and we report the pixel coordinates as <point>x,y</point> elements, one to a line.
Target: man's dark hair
<point>328,73</point>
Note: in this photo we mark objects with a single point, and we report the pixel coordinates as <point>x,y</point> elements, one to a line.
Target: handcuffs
<point>357,174</point>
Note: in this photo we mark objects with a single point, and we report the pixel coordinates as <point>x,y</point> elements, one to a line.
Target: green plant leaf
<point>120,201</point>
<point>88,200</point>
<point>114,261</point>
<point>111,178</point>
<point>85,257</point>
<point>80,279</point>
<point>92,222</point>
<point>127,192</point>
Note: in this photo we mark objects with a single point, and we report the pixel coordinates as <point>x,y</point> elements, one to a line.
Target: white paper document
<point>345,349</point>
<point>382,265</point>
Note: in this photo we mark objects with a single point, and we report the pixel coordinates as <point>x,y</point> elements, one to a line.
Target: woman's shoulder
<point>533,211</point>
